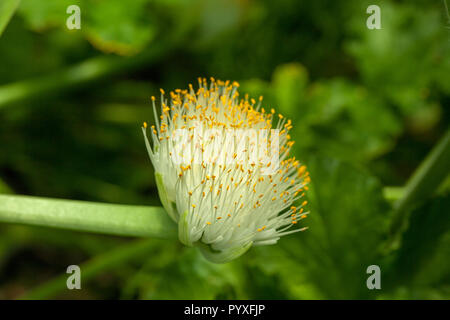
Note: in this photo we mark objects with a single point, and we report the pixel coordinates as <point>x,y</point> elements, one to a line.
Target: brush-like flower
<point>220,175</point>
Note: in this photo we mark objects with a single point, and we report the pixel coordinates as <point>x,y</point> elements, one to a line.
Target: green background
<point>367,107</point>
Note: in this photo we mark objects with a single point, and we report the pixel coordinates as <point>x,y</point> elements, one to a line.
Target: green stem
<point>114,219</point>
<point>75,76</point>
<point>423,183</point>
<point>90,269</point>
<point>392,194</point>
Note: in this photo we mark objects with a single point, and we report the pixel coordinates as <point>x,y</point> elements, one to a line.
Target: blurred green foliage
<point>367,106</point>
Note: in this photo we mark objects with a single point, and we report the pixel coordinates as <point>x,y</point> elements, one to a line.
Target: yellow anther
<point>301,170</point>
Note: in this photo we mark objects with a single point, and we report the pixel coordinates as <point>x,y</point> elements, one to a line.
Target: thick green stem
<point>423,183</point>
<point>114,219</point>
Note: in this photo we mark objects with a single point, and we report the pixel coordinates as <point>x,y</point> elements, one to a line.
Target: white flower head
<point>223,169</point>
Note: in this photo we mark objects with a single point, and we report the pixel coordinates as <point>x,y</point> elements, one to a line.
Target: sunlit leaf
<point>7,9</point>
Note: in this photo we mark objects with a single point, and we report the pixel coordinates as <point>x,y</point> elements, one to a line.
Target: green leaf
<point>423,183</point>
<point>40,15</point>
<point>418,293</point>
<point>119,26</point>
<point>116,219</point>
<point>347,224</point>
<point>113,26</point>
<point>406,87</point>
<point>273,273</point>
<point>290,81</point>
<point>424,255</point>
<point>77,75</point>
<point>346,121</point>
<point>4,188</point>
<point>99,21</point>
<point>7,9</point>
<point>190,276</point>
<point>102,263</point>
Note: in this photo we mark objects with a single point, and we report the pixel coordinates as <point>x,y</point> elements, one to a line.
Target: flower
<point>215,175</point>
